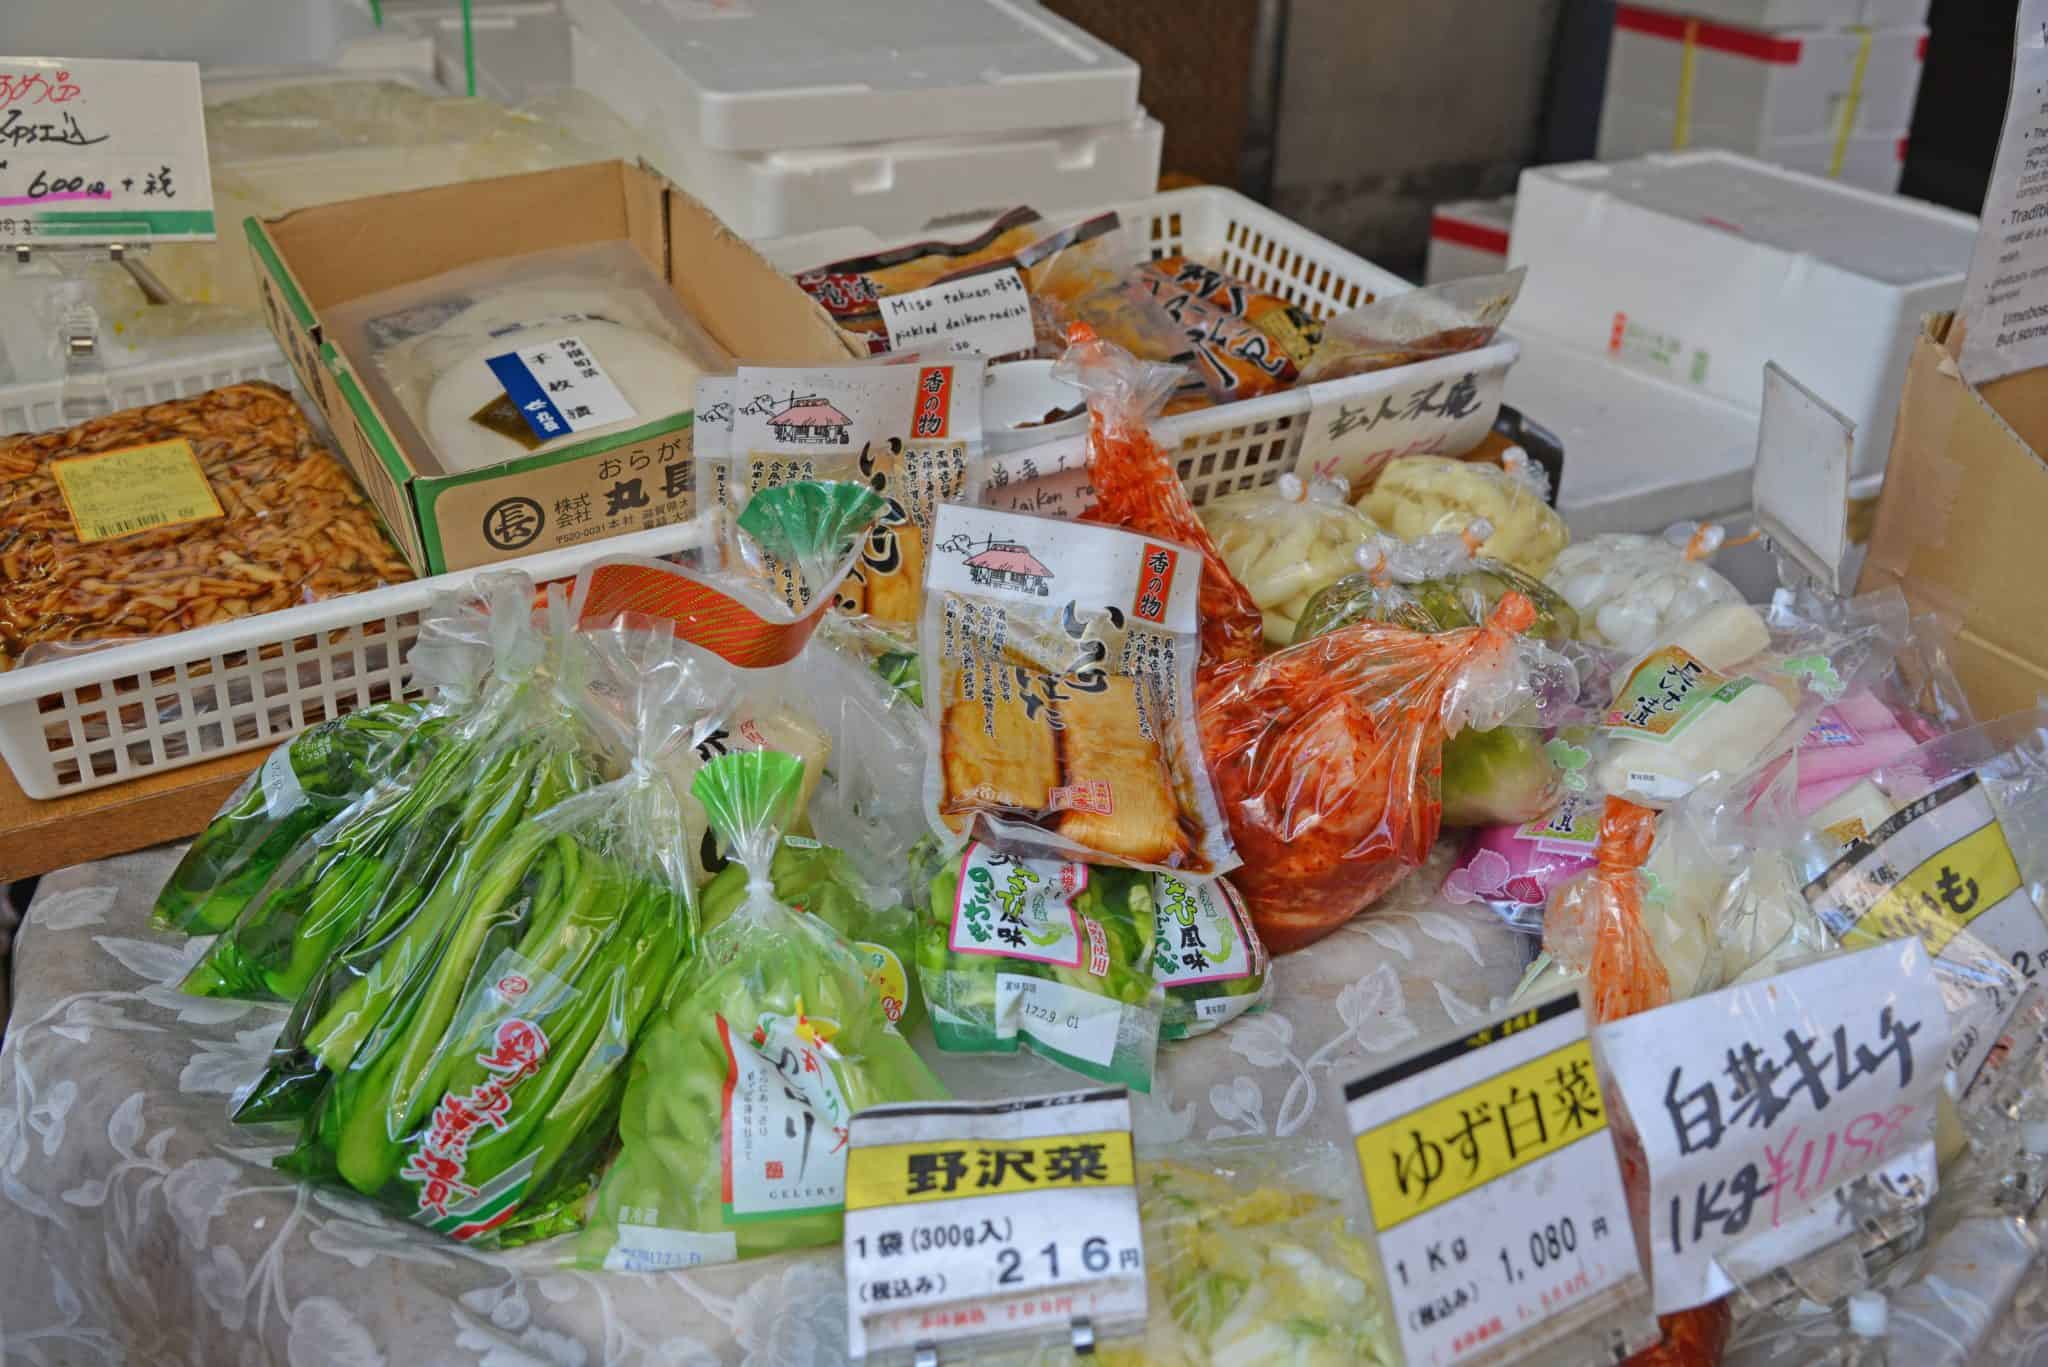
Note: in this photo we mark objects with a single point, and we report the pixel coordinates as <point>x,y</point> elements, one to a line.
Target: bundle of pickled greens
<point>733,1126</point>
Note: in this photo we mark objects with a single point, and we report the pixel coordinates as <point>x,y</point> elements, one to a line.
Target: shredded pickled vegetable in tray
<point>294,528</point>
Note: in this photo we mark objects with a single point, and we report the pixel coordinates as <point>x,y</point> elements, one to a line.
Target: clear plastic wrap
<point>1419,325</point>
<point>1286,543</point>
<point>1418,495</point>
<point>1295,330</point>
<point>1325,757</point>
<point>1594,927</point>
<point>1514,868</point>
<point>479,1100</point>
<point>1444,575</point>
<point>1207,956</point>
<point>434,353</point>
<point>733,1124</point>
<point>1630,590</point>
<point>1052,956</point>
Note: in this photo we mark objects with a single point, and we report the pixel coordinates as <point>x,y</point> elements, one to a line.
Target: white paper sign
<point>559,388</point>
<point>988,314</point>
<point>1356,425</point>
<point>1756,1104</point>
<point>2005,300</point>
<point>102,151</point>
<point>1494,1189</point>
<point>991,1221</point>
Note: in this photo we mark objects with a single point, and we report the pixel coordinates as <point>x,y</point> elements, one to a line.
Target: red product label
<point>1155,582</point>
<point>934,401</point>
<point>1098,947</point>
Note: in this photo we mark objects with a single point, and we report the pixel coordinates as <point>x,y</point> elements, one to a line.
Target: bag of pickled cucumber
<point>733,1129</point>
<point>479,1095</point>
<point>317,774</point>
<point>1047,955</point>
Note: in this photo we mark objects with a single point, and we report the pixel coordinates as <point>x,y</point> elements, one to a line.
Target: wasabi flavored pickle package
<point>479,1100</point>
<point>1059,678</point>
<point>910,433</point>
<point>1207,956</point>
<point>1049,955</point>
<point>733,1127</point>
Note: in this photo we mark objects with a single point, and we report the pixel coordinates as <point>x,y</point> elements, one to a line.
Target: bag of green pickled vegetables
<point>1208,957</point>
<point>478,1095</point>
<point>317,774</point>
<point>1046,954</point>
<point>733,1129</point>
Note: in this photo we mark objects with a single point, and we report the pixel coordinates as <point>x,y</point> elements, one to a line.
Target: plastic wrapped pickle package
<point>1513,868</point>
<point>911,432</point>
<point>523,355</point>
<point>1287,542</point>
<point>1417,495</point>
<point>477,1095</point>
<point>1631,590</point>
<point>1419,325</point>
<point>318,773</point>
<point>524,743</point>
<point>733,1127</point>
<point>1207,956</point>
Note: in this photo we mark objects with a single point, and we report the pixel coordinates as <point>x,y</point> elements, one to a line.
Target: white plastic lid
<point>1868,1314</point>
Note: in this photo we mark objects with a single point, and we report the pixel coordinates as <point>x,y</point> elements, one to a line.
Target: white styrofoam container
<point>1468,237</point>
<point>1244,445</point>
<point>520,47</point>
<point>773,74</point>
<point>218,33</point>
<point>1796,13</point>
<point>1704,265</point>
<point>1750,86</point>
<point>101,716</point>
<point>1873,160</point>
<point>888,186</point>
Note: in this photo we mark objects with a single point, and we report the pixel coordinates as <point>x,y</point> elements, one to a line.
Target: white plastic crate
<point>38,405</point>
<point>1248,444</point>
<point>103,716</point>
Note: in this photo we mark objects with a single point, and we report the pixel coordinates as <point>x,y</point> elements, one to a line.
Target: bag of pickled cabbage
<point>1043,954</point>
<point>1206,956</point>
<point>476,1096</point>
<point>1286,543</point>
<point>733,1127</point>
<point>1417,495</point>
<point>319,773</point>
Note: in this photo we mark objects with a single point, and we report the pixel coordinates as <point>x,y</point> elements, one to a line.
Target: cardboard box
<point>1468,237</point>
<point>315,259</point>
<point>1959,525</point>
<point>1702,266</point>
<point>1674,82</point>
<point>170,804</point>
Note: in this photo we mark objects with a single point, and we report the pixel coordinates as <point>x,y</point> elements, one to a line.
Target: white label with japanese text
<point>281,789</point>
<point>1016,908</point>
<point>991,1221</point>
<point>651,1248</point>
<point>559,388</point>
<point>1057,1016</point>
<point>1756,1104</point>
<point>785,1119</point>
<point>988,314</point>
<point>1494,1190</point>
<point>1358,424</point>
<point>102,151</point>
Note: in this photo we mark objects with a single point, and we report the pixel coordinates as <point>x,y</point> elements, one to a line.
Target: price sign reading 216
<point>1494,1189</point>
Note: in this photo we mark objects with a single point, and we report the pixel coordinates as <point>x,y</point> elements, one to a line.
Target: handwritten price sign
<point>102,151</point>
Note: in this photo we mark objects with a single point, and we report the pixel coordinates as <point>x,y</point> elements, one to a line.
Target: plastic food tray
<point>102,716</point>
<point>1244,445</point>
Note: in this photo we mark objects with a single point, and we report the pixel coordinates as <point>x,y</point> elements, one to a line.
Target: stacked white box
<point>1832,101</point>
<point>1797,13</point>
<point>1468,237</point>
<point>1701,266</point>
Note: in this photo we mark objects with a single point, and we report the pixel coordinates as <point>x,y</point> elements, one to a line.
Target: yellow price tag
<point>135,489</point>
<point>1944,893</point>
<point>1479,1134</point>
<point>939,1170</point>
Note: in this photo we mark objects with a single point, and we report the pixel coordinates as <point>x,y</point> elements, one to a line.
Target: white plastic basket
<point>106,715</point>
<point>38,405</point>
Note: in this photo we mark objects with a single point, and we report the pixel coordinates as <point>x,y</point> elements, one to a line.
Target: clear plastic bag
<point>1048,955</point>
<point>1297,331</point>
<point>1594,927</point>
<point>1286,543</point>
<point>1630,590</point>
<point>480,1099</point>
<point>1207,957</point>
<point>1420,325</point>
<point>1445,576</point>
<point>1324,757</point>
<point>1418,495</point>
<point>1514,868</point>
<point>733,1125</point>
<point>1137,488</point>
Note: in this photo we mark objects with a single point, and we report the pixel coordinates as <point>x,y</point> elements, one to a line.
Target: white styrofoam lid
<point>1800,489</point>
<point>765,74</point>
<point>1884,237</point>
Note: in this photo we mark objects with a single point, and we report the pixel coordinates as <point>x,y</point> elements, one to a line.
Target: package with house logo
<point>1059,666</point>
<point>911,432</point>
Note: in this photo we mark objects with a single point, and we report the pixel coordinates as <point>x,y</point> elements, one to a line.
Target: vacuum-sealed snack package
<point>521,355</point>
<point>1297,331</point>
<point>1629,590</point>
<point>733,1126</point>
<point>480,1099</point>
<point>910,432</point>
<point>1232,358</point>
<point>1286,543</point>
<point>1209,958</point>
<point>1059,665</point>
<point>1048,955</point>
<point>1401,329</point>
<point>1417,495</point>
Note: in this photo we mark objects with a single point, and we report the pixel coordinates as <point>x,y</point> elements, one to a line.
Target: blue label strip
<point>526,394</point>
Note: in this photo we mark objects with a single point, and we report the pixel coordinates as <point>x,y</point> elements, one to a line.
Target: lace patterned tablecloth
<point>140,1226</point>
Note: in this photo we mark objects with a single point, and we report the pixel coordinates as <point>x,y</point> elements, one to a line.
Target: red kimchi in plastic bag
<point>1327,759</point>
